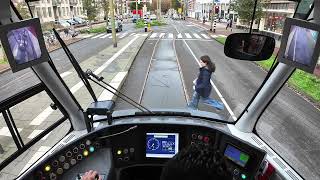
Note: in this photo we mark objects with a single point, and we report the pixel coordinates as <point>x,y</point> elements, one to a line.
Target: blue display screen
<point>236,155</point>
<point>162,145</point>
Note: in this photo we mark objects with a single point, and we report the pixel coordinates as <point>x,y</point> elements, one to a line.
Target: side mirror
<point>245,46</point>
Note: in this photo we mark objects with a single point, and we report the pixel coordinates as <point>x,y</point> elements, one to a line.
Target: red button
<point>206,139</point>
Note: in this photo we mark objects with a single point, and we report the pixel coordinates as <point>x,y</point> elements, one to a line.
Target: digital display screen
<point>24,44</point>
<point>301,45</point>
<point>162,145</point>
<point>236,155</point>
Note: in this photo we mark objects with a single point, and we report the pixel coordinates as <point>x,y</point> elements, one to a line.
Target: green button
<point>243,176</point>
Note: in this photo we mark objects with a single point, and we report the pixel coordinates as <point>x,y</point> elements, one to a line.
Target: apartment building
<point>51,10</point>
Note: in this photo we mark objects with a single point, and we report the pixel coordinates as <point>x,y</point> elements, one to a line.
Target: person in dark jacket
<point>203,86</point>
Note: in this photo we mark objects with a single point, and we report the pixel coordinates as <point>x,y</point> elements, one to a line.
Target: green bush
<point>157,23</point>
<point>94,30</point>
<point>140,23</point>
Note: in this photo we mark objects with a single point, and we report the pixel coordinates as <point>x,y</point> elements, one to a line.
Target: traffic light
<point>216,9</point>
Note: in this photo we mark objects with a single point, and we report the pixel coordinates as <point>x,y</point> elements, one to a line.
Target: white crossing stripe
<point>205,36</point>
<point>37,155</point>
<point>5,131</point>
<point>196,35</point>
<point>153,35</point>
<point>110,37</point>
<point>123,35</point>
<point>170,36</point>
<point>188,35</point>
<point>42,116</point>
<point>65,74</point>
<point>102,37</point>
<point>132,34</point>
<point>97,36</point>
<point>36,132</point>
<point>179,35</point>
<point>161,35</point>
<point>213,36</point>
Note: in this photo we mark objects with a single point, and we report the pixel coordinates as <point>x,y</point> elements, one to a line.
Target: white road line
<point>132,34</point>
<point>179,36</point>
<point>65,74</point>
<point>153,35</point>
<point>102,37</point>
<point>196,35</point>
<point>161,35</point>
<point>214,86</point>
<point>188,35</point>
<point>213,36</point>
<point>97,36</point>
<point>170,36</point>
<point>41,151</point>
<point>205,36</point>
<point>199,26</point>
<point>36,132</point>
<point>123,35</point>
<point>115,82</point>
<point>45,114</point>
<point>5,131</point>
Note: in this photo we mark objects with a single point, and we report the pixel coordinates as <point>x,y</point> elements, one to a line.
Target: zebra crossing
<point>191,36</point>
<point>119,35</point>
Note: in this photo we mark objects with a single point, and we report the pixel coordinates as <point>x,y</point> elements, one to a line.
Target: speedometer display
<point>162,145</point>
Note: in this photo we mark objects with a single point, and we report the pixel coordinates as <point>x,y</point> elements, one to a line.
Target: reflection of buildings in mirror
<point>300,45</point>
<point>24,44</point>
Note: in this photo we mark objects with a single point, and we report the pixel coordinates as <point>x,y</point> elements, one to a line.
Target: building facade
<point>51,10</point>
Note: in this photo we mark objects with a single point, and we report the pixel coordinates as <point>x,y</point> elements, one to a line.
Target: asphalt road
<point>12,83</point>
<point>290,125</point>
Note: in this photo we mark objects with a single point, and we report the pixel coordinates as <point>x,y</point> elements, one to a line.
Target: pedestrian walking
<point>202,88</point>
<point>228,24</point>
<point>204,19</point>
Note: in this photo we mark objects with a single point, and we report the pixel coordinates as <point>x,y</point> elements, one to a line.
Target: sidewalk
<point>221,30</point>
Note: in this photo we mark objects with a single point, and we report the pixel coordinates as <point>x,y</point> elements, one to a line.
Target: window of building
<point>44,12</point>
<point>49,12</point>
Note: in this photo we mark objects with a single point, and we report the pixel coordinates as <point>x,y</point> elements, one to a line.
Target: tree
<point>245,9</point>
<point>176,4</point>
<point>91,8</point>
<point>105,7</point>
<point>133,6</point>
<point>22,9</point>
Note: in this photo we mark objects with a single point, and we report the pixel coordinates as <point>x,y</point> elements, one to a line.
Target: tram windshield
<point>167,64</point>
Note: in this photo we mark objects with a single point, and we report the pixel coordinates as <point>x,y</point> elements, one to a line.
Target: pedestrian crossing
<point>191,36</point>
<point>119,35</point>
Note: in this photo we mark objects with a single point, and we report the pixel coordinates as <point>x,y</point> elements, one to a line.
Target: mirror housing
<point>252,47</point>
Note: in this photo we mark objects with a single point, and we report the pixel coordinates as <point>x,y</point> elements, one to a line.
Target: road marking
<point>110,37</point>
<point>199,26</point>
<point>205,36</point>
<point>98,36</point>
<point>115,82</point>
<point>44,114</point>
<point>161,35</point>
<point>153,35</point>
<point>196,35</point>
<point>5,131</point>
<point>123,35</point>
<point>214,86</point>
<point>102,37</point>
<point>41,151</point>
<point>132,34</point>
<point>36,132</point>
<point>213,36</point>
<point>179,35</point>
<point>170,36</point>
<point>188,35</point>
<point>65,74</point>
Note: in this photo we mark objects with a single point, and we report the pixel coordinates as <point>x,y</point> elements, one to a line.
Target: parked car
<point>118,26</point>
<point>153,17</point>
<point>62,23</point>
<point>71,22</point>
<point>135,18</point>
<point>79,20</point>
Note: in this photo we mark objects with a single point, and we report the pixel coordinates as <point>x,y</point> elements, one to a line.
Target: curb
<point>5,70</point>
<point>131,62</point>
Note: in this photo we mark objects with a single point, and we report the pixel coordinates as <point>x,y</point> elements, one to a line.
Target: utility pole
<point>212,14</point>
<point>160,10</point>
<point>114,37</point>
<point>137,8</point>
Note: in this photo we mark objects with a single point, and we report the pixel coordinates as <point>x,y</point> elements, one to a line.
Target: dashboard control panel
<point>134,145</point>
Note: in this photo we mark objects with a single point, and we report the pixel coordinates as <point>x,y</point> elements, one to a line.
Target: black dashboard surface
<point>124,147</point>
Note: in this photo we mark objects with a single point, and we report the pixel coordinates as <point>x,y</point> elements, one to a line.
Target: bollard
<point>214,27</point>
<point>145,27</point>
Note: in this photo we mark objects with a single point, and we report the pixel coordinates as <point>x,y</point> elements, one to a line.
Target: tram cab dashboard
<point>138,148</point>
